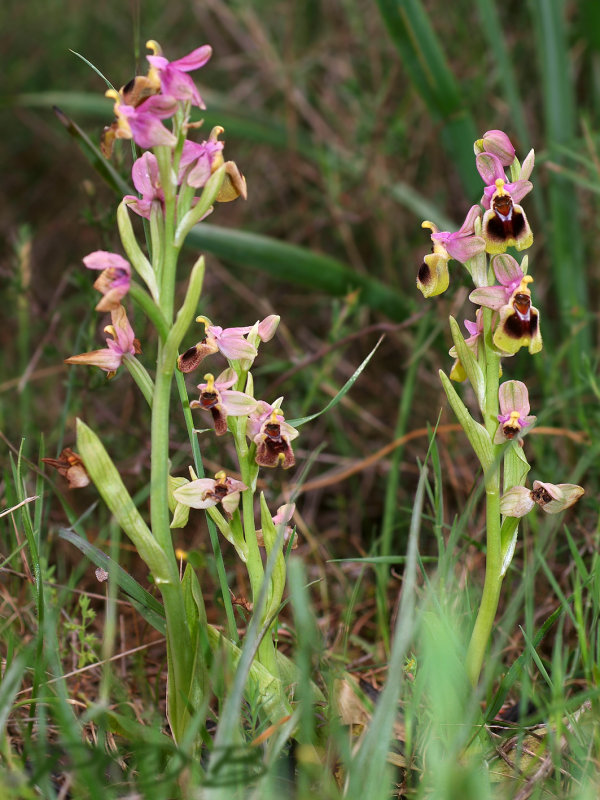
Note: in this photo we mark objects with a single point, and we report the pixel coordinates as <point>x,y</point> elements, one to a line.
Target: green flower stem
<point>254,565</point>
<point>493,563</point>
<point>150,309</point>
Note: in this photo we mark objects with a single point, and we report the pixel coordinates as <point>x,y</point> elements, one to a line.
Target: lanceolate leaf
<point>476,433</point>
<point>345,388</point>
<point>297,265</point>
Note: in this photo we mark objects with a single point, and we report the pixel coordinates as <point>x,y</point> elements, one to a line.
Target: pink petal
<point>490,168</point>
<point>103,259</point>
<point>145,175</point>
<point>194,60</point>
<point>489,296</point>
<point>237,404</point>
<point>194,494</point>
<point>463,248</point>
<point>513,396</point>
<point>507,270</point>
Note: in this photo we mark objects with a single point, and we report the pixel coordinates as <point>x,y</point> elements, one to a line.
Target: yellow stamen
<point>274,413</point>
<point>181,554</point>
<point>154,46</point>
<point>523,287</point>
<point>210,382</point>
<point>431,225</point>
<point>111,330</point>
<point>500,186</point>
<point>221,476</point>
<point>513,422</point>
<point>204,320</point>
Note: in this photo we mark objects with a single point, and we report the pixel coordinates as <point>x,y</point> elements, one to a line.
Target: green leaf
<point>508,541</point>
<point>470,365</point>
<point>147,605</point>
<point>134,253</point>
<point>423,59</point>
<point>296,423</point>
<point>112,489</point>
<point>476,433</point>
<point>297,265</point>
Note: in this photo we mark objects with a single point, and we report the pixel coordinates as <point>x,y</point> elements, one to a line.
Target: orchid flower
<point>231,342</point>
<point>551,498</point>
<point>491,169</point>
<point>509,274</point>
<point>272,436</point>
<point>282,518</point>
<point>142,123</point>
<point>123,343</point>
<point>71,467</point>
<point>114,280</point>
<point>462,245</point>
<point>498,144</point>
<point>206,492</point>
<point>519,323</point>
<point>504,224</point>
<point>198,161</point>
<point>221,401</point>
<point>146,179</point>
<point>172,75</point>
<point>514,407</point>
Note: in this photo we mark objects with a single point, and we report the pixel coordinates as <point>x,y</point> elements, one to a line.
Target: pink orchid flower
<point>498,144</point>
<point>146,179</point>
<point>174,80</point>
<point>551,498</point>
<point>142,123</point>
<point>272,435</point>
<point>207,492</point>
<point>114,280</point>
<point>221,401</point>
<point>198,160</point>
<point>509,274</point>
<point>122,344</point>
<point>457,373</point>
<point>231,342</point>
<point>514,408</point>
<point>491,169</point>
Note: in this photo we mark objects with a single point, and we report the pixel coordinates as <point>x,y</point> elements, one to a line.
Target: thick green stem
<point>254,565</point>
<point>493,563</point>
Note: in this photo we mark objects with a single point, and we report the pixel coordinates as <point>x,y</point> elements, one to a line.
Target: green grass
<point>351,124</point>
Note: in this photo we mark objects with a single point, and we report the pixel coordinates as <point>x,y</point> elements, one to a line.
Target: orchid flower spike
<point>221,401</point>
<point>551,498</point>
<point>514,407</point>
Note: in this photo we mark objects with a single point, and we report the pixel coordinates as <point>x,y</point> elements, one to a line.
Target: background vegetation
<point>352,122</point>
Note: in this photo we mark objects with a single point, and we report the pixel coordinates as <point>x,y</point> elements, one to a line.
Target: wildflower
<point>509,274</point>
<point>282,518</point>
<point>231,342</point>
<point>504,223</point>
<point>172,75</point>
<point>272,435</point>
<point>71,467</point>
<point>457,373</point>
<point>114,280</point>
<point>462,245</point>
<point>498,144</point>
<point>142,123</point>
<point>491,170</point>
<point>519,323</point>
<point>552,498</point>
<point>199,160</point>
<point>206,492</point>
<point>133,94</point>
<point>123,343</point>
<point>146,179</point>
<point>514,407</point>
<point>221,401</point>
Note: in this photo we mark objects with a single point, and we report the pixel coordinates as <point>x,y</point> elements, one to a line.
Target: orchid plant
<point>505,321</point>
<point>178,181</point>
